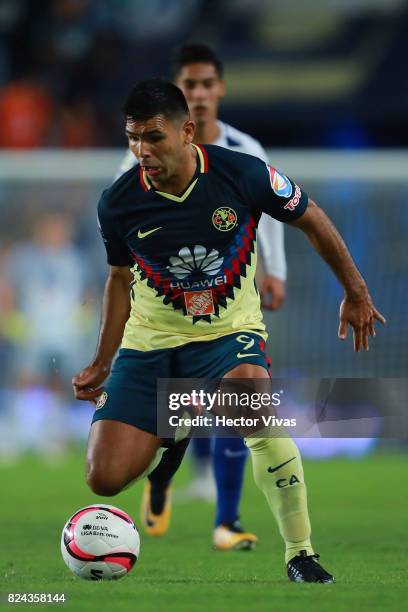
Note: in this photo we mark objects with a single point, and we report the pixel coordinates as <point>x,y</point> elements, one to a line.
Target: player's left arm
<point>356,309</point>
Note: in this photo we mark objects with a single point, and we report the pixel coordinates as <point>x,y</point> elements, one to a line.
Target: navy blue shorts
<point>130,394</point>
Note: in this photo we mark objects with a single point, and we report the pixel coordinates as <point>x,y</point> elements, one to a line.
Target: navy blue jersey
<point>193,255</point>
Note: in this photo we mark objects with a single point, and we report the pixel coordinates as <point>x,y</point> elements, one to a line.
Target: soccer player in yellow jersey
<point>198,71</point>
<point>180,228</point>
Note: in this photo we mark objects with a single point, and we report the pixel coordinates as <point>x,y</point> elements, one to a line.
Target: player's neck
<point>207,133</point>
<point>179,181</point>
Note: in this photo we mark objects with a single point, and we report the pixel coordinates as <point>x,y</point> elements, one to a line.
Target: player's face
<point>160,145</point>
<point>203,88</point>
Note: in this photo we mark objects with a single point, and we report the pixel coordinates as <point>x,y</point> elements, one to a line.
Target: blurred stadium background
<point>319,83</point>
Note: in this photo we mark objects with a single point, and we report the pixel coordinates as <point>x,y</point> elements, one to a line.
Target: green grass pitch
<point>359,517</point>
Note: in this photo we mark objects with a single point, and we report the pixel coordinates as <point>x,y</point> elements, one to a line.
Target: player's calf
<point>278,472</point>
<point>156,502</point>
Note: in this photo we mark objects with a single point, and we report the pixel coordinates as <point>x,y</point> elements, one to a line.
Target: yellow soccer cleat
<point>155,524</point>
<point>233,537</point>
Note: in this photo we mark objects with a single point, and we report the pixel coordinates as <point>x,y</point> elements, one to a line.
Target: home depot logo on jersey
<point>199,302</point>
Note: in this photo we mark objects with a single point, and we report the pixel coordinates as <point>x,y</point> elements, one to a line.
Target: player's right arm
<point>115,304</point>
<point>115,313</point>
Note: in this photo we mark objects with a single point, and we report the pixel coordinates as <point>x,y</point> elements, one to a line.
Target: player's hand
<point>272,292</point>
<point>360,314</point>
<point>87,384</point>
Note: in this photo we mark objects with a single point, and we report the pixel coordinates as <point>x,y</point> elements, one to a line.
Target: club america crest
<point>224,218</point>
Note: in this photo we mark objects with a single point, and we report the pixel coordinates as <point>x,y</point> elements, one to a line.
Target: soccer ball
<point>100,542</point>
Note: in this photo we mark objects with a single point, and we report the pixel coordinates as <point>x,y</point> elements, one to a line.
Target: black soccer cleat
<point>305,568</point>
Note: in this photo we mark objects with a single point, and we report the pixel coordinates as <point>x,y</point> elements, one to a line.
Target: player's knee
<point>104,481</point>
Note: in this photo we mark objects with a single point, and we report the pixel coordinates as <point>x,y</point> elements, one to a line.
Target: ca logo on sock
<point>284,482</point>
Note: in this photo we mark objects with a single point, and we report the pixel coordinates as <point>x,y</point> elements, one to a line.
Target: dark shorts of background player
<point>131,389</point>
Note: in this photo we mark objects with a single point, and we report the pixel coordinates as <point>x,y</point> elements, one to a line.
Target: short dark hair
<point>193,54</point>
<point>155,97</point>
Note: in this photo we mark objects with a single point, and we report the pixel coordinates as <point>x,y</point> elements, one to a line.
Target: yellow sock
<point>278,472</point>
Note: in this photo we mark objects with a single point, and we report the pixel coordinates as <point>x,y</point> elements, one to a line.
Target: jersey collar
<point>202,168</point>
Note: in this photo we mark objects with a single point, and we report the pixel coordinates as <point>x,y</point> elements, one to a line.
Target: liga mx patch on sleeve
<point>280,183</point>
<point>199,302</point>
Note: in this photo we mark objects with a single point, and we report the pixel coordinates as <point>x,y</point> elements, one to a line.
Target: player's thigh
<point>241,353</point>
<point>238,366</point>
<point>123,436</point>
<point>248,370</point>
<point>119,451</point>
<point>238,356</point>
<point>130,393</point>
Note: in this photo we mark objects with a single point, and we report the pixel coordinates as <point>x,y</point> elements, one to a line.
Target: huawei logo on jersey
<point>192,262</point>
<point>199,282</point>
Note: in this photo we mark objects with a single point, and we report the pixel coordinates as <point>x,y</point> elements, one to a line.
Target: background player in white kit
<point>199,74</point>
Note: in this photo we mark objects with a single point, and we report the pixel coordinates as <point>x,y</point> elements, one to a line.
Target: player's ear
<point>221,88</point>
<point>188,131</point>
